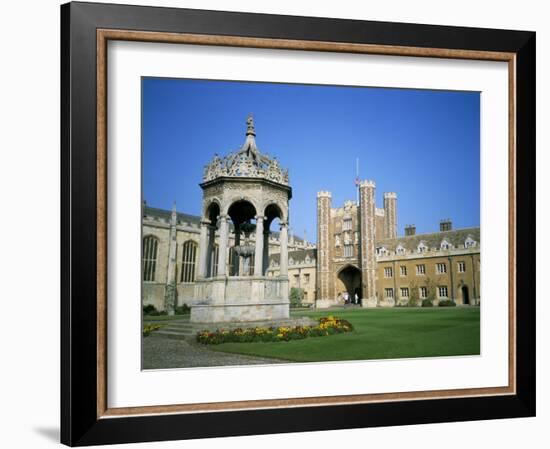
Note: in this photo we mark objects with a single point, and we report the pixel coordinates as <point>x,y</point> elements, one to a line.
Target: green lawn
<point>379,334</point>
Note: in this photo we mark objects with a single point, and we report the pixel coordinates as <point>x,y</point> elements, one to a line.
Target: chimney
<point>445,225</point>
<point>410,230</point>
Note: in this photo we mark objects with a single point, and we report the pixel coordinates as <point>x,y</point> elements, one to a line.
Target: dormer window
<point>400,250</point>
<point>470,243</point>
<point>381,251</point>
<point>422,248</point>
<point>445,245</point>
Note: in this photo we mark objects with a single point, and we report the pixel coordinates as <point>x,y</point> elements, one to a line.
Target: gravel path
<point>159,353</point>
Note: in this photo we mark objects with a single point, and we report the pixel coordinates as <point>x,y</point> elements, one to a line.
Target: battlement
<point>391,195</point>
<point>367,183</point>
<point>324,194</point>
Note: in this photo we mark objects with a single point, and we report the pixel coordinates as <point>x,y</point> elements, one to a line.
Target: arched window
<point>149,255</point>
<point>188,260</point>
<point>214,261</point>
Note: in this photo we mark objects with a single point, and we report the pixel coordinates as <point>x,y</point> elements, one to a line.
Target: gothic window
<point>423,292</point>
<point>461,267</point>
<point>404,292</point>
<point>403,270</point>
<point>346,224</point>
<point>388,272</point>
<point>150,251</point>
<point>188,261</point>
<point>348,250</point>
<point>420,269</point>
<point>443,291</point>
<point>440,268</point>
<point>306,278</point>
<point>388,292</point>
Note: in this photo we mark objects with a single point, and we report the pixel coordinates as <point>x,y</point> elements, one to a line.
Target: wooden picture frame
<point>86,29</point>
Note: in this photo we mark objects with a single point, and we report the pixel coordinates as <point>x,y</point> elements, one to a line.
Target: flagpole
<point>357,178</point>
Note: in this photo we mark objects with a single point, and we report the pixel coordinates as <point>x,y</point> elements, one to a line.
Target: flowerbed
<point>148,328</point>
<point>327,326</point>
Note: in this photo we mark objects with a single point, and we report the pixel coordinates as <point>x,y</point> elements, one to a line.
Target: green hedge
<point>447,303</point>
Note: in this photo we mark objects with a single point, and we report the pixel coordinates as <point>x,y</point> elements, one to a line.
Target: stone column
<point>210,248</point>
<point>224,237</point>
<point>265,259</point>
<point>170,289</point>
<point>283,239</point>
<point>235,262</point>
<point>259,249</point>
<point>203,248</point>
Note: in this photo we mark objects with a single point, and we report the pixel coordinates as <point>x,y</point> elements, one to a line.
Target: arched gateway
<point>243,193</point>
<point>350,276</point>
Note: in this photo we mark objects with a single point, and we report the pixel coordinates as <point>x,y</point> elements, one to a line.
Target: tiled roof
<point>166,214</point>
<point>456,237</point>
<point>299,255</point>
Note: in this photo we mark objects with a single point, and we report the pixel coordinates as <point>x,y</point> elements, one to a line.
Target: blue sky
<point>422,144</point>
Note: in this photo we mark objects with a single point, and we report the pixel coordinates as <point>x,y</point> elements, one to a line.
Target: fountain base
<point>240,299</point>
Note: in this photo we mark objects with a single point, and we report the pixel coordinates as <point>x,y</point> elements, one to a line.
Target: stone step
<point>173,335</point>
<point>178,326</point>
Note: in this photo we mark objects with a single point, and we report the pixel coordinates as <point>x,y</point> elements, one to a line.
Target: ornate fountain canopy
<point>247,162</point>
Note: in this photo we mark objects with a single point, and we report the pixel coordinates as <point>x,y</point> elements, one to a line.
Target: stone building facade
<point>302,267</point>
<point>360,254</point>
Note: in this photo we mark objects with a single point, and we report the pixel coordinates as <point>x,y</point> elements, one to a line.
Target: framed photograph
<point>283,224</point>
